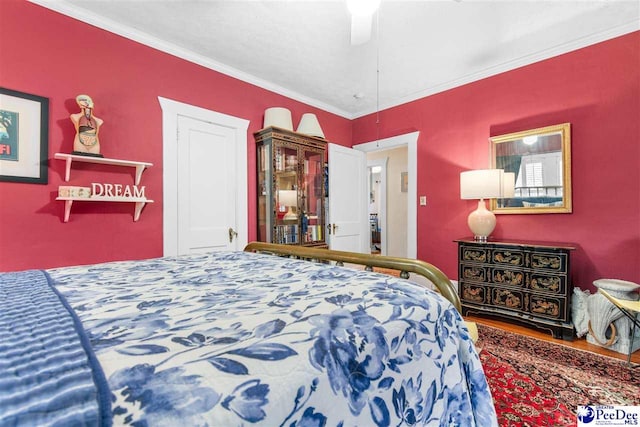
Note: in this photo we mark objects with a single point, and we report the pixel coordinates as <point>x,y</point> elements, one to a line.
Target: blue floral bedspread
<point>235,339</point>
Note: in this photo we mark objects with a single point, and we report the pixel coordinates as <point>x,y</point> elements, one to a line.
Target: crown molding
<point>146,39</point>
<point>65,8</point>
<point>561,49</point>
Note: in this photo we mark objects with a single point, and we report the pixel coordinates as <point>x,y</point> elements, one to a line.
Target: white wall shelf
<point>140,202</point>
<point>70,158</point>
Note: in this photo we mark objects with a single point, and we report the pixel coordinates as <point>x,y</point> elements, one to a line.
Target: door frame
<point>410,140</point>
<point>170,111</point>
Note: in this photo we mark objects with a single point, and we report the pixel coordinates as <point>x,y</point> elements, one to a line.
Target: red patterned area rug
<point>539,383</point>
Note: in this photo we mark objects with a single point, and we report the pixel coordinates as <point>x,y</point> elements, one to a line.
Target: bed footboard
<point>403,265</point>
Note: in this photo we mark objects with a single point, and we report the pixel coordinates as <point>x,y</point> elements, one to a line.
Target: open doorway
<point>377,189</point>
<point>388,213</point>
<point>407,219</point>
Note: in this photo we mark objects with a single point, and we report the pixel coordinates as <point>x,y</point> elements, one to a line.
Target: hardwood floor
<point>578,343</point>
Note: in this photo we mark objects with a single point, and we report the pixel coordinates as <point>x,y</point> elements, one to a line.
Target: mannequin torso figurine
<point>87,126</point>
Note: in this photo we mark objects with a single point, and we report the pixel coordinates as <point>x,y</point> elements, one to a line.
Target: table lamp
<point>288,198</point>
<point>481,184</point>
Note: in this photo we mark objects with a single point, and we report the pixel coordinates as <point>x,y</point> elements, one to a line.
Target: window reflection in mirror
<point>541,161</point>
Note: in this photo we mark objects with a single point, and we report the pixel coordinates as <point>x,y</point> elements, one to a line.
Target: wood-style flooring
<point>578,343</point>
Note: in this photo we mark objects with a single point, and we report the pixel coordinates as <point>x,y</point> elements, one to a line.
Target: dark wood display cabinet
<point>291,187</point>
<point>528,283</point>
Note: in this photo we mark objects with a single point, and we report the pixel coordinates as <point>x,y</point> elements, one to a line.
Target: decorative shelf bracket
<point>138,209</point>
<point>139,170</point>
<point>67,209</point>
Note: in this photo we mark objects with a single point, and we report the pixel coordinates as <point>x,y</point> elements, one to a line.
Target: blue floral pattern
<point>230,339</point>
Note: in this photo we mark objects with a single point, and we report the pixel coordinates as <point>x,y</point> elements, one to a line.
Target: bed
<point>258,337</point>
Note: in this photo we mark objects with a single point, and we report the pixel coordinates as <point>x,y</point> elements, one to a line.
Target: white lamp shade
<point>288,197</point>
<point>279,117</point>
<point>508,185</point>
<point>309,125</point>
<point>481,184</point>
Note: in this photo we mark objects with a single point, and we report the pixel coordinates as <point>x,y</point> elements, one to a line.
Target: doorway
<point>389,209</point>
<point>410,141</point>
<point>377,189</point>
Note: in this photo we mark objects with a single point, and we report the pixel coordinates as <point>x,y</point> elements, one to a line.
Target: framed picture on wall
<point>24,137</point>
<point>404,182</point>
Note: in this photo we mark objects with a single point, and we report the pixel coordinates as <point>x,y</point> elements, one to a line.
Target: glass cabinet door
<point>286,197</point>
<point>312,196</point>
<point>265,206</point>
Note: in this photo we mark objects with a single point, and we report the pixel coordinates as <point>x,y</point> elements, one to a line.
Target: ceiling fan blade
<point>360,29</point>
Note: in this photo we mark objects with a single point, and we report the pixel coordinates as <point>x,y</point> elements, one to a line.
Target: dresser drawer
<point>548,283</point>
<point>472,293</point>
<point>506,276</point>
<point>474,254</point>
<point>548,261</point>
<point>474,273</point>
<point>508,257</point>
<point>548,307</point>
<point>507,298</point>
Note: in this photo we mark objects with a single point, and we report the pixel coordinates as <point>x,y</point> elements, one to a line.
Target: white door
<point>206,187</point>
<point>204,179</point>
<point>348,210</point>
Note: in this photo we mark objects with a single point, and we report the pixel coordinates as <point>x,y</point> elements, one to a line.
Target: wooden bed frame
<point>403,265</point>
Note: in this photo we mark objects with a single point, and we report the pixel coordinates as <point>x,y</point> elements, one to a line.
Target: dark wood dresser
<point>527,283</point>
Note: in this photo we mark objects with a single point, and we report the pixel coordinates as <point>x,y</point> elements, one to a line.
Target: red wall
<point>51,55</point>
<point>597,90</point>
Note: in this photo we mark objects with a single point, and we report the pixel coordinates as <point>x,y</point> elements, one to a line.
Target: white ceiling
<point>302,48</point>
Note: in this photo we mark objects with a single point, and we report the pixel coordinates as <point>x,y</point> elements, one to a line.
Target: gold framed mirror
<point>541,161</point>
